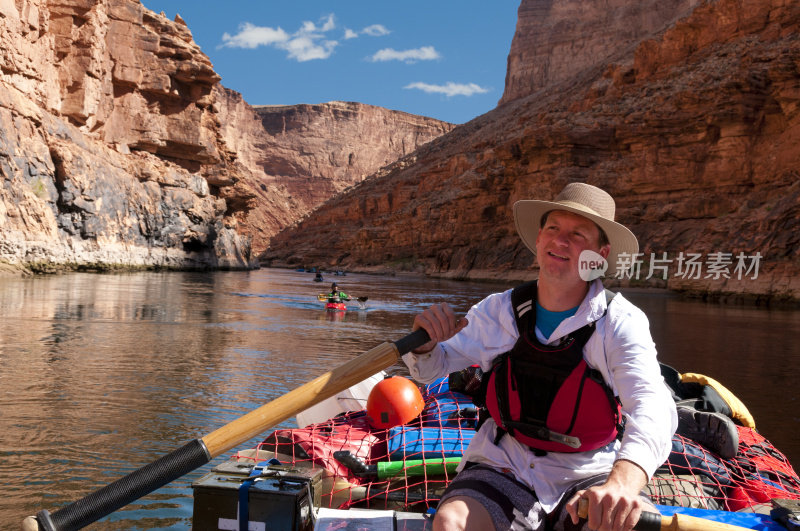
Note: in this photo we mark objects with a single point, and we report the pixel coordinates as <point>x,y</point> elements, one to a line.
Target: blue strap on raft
<point>243,515</point>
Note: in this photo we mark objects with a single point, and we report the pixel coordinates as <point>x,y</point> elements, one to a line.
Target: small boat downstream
<point>338,304</point>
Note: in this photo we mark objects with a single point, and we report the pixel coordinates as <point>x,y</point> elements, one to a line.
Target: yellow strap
<point>738,409</point>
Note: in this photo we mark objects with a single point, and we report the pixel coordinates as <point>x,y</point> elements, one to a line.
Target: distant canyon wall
<point>299,156</point>
<point>120,147</point>
<point>556,41</point>
<point>696,132</point>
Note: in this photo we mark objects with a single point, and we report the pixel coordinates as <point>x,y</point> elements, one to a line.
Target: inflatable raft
<point>314,476</point>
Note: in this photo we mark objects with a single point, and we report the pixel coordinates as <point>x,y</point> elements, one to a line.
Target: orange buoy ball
<point>394,401</point>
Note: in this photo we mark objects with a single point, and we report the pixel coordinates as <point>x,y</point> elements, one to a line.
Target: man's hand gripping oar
<point>200,451</point>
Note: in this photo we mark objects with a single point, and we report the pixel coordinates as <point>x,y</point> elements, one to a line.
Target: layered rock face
<point>695,133</point>
<point>107,118</point>
<point>560,40</point>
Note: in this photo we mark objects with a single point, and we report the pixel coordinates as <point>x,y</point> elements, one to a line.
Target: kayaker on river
<point>563,334</point>
<point>337,296</point>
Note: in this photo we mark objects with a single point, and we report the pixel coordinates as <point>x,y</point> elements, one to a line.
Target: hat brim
<point>528,215</point>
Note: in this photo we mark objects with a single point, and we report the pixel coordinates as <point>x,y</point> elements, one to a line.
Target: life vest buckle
<point>545,434</point>
<point>554,436</point>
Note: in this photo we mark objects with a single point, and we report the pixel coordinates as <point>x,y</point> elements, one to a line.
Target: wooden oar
<point>200,451</point>
<point>677,522</point>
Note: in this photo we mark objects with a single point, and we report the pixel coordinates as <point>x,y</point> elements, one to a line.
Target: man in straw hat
<point>566,363</point>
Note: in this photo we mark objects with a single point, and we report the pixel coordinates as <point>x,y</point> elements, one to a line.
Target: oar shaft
<point>649,521</point>
<point>684,522</point>
<point>200,451</point>
<point>354,371</point>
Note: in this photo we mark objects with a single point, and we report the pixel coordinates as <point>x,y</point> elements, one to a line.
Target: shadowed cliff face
<point>695,132</point>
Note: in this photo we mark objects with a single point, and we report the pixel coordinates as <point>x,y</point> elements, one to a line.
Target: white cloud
<point>449,89</point>
<point>426,53</point>
<point>329,24</point>
<point>306,48</point>
<point>251,36</point>
<point>305,44</point>
<point>376,30</point>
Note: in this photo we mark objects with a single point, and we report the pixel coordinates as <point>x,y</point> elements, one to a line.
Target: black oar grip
<point>413,340</point>
<point>648,522</point>
<point>127,489</point>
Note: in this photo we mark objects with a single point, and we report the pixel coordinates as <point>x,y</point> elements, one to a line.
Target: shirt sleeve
<point>491,331</point>
<point>648,407</point>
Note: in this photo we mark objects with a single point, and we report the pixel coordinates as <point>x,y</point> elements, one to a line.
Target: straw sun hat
<point>587,201</point>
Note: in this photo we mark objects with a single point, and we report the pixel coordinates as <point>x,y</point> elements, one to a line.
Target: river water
<point>102,374</point>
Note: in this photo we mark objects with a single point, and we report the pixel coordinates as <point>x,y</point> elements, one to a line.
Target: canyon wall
<point>120,147</point>
<point>557,41</point>
<point>696,132</point>
<point>107,118</point>
<point>299,156</point>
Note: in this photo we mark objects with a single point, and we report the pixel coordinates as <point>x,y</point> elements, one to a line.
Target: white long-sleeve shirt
<point>621,348</point>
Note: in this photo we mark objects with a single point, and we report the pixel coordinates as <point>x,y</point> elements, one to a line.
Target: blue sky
<point>440,58</point>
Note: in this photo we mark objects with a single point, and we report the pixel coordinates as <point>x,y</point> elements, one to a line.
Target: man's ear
<point>605,250</point>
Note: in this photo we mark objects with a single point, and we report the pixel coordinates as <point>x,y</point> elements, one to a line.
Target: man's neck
<point>558,298</point>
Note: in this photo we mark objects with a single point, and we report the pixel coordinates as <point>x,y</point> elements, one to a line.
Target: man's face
<point>560,242</point>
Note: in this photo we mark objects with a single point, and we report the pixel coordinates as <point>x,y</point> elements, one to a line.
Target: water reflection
<point>102,374</point>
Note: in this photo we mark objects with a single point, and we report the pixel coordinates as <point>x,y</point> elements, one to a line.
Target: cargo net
<point>408,467</point>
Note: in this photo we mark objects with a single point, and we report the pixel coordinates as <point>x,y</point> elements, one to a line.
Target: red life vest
<point>547,396</point>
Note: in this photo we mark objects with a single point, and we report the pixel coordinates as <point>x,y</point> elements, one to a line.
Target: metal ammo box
<point>275,497</point>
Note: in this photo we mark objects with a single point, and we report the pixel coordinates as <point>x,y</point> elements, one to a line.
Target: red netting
<point>747,482</point>
<point>692,477</point>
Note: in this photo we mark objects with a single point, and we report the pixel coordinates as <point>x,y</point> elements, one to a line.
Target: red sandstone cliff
<point>558,40</point>
<point>107,116</point>
<point>695,131</point>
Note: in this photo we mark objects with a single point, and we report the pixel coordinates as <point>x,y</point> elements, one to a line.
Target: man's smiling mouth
<point>551,253</point>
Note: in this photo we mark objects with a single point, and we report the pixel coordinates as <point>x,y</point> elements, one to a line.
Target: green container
<point>281,499</point>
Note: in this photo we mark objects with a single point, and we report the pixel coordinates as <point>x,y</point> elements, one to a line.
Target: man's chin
<point>561,272</point>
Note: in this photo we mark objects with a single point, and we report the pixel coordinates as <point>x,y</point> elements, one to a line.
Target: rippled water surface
<point>102,374</point>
